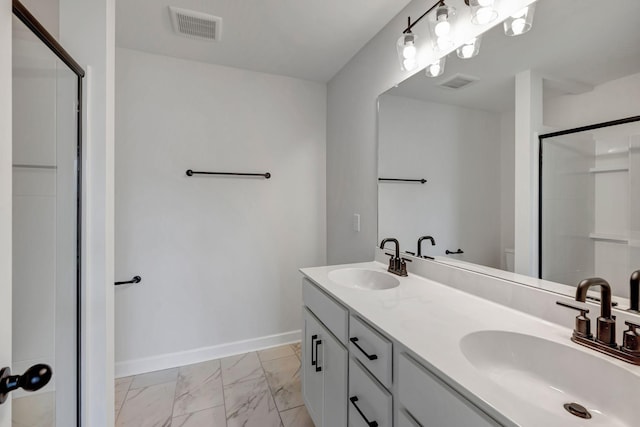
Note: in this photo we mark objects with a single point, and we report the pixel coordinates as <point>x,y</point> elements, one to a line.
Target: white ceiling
<point>305,39</point>
<point>582,41</point>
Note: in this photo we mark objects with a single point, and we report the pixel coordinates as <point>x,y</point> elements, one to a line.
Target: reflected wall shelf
<point>609,169</point>
<point>609,237</point>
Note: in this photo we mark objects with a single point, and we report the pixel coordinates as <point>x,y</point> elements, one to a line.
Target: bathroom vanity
<point>383,350</point>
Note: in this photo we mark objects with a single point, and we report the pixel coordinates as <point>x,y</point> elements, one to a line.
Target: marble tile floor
<point>257,389</point>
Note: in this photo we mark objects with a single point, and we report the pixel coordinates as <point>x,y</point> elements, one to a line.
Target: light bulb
<point>409,52</point>
<point>467,51</point>
<point>520,22</point>
<point>518,25</point>
<point>435,69</point>
<point>441,24</point>
<point>442,28</point>
<point>484,15</point>
<point>409,64</point>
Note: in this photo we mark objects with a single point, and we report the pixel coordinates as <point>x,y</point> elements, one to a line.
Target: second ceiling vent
<point>458,81</point>
<point>196,25</point>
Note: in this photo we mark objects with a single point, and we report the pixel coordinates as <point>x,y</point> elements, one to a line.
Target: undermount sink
<point>362,278</point>
<point>546,375</point>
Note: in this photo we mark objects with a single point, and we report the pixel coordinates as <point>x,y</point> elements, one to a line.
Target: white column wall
<point>528,124</point>
<point>87,29</point>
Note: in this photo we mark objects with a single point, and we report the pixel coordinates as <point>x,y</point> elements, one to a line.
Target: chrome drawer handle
<point>353,400</point>
<point>355,340</point>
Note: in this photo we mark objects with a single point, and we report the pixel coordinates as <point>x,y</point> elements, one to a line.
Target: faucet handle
<point>631,338</point>
<point>403,266</point>
<point>583,311</point>
<point>392,262</point>
<point>583,323</point>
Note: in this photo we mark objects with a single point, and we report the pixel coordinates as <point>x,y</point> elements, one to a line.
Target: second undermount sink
<point>362,278</point>
<point>545,375</point>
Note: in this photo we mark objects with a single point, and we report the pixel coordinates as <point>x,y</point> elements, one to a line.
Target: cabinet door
<point>432,402</point>
<point>312,373</point>
<point>334,365</point>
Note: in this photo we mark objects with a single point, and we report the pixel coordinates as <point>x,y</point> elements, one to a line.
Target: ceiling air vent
<point>458,81</point>
<point>196,25</point>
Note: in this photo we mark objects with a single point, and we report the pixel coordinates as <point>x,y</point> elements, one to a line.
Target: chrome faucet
<point>422,239</point>
<point>634,291</point>
<point>605,340</point>
<point>397,265</point>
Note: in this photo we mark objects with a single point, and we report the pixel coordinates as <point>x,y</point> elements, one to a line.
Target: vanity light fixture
<point>520,22</point>
<point>407,51</point>
<point>435,69</point>
<point>441,23</point>
<point>469,49</point>
<point>406,44</point>
<point>482,11</point>
<point>441,28</point>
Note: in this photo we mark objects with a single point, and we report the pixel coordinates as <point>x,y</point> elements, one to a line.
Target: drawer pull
<point>354,340</point>
<point>353,400</point>
<point>313,360</point>
<point>318,367</point>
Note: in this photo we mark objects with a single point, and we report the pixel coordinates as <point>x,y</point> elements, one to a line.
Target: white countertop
<point>430,319</point>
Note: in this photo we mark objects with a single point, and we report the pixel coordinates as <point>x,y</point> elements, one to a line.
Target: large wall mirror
<point>457,133</point>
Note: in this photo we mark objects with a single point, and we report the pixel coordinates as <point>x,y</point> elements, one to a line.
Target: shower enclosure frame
<point>541,139</point>
<point>27,18</point>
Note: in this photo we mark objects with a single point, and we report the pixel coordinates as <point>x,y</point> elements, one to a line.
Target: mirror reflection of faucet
<point>634,292</point>
<point>422,239</point>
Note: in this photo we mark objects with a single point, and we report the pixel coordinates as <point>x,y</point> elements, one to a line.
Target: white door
<point>39,254</point>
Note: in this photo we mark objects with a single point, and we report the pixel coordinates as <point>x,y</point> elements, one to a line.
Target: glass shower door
<point>45,230</point>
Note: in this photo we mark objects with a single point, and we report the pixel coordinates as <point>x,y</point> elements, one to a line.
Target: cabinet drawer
<point>368,402</point>
<point>334,316</point>
<point>432,402</point>
<point>373,350</point>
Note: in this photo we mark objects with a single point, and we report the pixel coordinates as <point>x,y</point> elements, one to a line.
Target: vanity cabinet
<point>349,377</point>
<point>324,360</point>
<point>424,400</point>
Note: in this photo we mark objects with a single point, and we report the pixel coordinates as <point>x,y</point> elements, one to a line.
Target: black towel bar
<point>421,180</point>
<point>266,175</point>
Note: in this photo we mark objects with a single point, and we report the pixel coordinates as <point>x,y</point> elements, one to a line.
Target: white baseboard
<point>172,360</point>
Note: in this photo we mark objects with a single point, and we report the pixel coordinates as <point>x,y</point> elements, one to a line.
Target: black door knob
<point>33,379</point>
